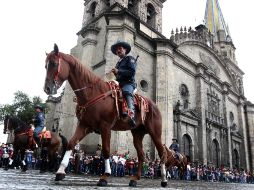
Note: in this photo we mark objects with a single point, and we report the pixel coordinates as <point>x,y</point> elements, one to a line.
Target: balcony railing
<point>214,118</point>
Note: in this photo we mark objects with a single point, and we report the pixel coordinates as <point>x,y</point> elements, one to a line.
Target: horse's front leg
<point>105,136</point>
<point>23,159</point>
<point>79,134</point>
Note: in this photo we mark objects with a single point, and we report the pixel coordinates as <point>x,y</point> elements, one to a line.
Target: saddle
<point>44,134</point>
<point>178,156</point>
<point>140,103</point>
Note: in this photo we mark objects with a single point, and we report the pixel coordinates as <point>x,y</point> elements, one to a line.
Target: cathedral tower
<point>149,12</point>
<point>216,24</point>
<point>139,22</point>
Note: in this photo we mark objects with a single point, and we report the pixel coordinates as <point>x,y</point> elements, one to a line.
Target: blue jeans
<point>128,88</point>
<point>37,130</point>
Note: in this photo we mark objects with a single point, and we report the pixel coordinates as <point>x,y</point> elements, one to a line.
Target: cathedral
<point>193,77</point>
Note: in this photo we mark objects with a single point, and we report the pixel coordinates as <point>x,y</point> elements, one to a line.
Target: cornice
<point>97,65</point>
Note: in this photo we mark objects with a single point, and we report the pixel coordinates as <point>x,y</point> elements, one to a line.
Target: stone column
<point>89,44</point>
<point>164,88</point>
<point>242,124</point>
<point>201,99</point>
<point>250,121</point>
<point>228,149</point>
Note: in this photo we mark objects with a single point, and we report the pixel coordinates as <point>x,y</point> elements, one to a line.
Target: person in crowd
<point>29,158</point>
<point>5,155</point>
<point>121,166</point>
<point>114,164</point>
<point>1,154</point>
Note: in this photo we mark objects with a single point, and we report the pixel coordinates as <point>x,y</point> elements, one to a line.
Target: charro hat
<point>38,106</point>
<point>121,44</point>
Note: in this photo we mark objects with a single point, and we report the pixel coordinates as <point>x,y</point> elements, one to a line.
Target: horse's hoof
<point>6,168</point>
<point>164,184</point>
<point>133,183</point>
<point>59,177</point>
<point>102,183</point>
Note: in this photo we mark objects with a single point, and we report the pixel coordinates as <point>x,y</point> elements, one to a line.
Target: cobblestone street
<point>32,179</point>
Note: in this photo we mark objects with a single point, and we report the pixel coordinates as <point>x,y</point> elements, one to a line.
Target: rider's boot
<point>131,109</point>
<point>38,142</point>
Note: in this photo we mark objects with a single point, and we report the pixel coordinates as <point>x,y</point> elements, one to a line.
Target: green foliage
<point>22,107</point>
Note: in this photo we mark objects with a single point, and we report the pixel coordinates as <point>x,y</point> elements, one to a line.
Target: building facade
<point>193,77</point>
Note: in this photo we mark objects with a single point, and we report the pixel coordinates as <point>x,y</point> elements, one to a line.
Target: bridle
<point>56,76</point>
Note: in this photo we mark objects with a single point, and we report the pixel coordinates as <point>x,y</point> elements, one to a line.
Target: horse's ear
<point>46,53</point>
<point>56,50</point>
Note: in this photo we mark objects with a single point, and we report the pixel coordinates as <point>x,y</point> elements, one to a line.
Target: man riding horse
<point>39,124</point>
<point>175,146</point>
<point>125,71</point>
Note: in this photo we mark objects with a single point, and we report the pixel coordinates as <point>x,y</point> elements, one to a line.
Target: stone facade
<point>194,80</point>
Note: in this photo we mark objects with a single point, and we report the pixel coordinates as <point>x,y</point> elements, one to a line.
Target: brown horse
<point>97,112</point>
<point>23,140</point>
<point>181,163</point>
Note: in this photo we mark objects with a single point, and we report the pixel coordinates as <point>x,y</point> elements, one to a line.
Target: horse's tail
<point>64,145</point>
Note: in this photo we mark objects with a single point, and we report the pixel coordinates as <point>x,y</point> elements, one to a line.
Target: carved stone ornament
<point>209,63</point>
<point>184,90</point>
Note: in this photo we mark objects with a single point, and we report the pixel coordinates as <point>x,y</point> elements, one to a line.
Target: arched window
<point>108,2</point>
<point>215,153</point>
<point>231,117</point>
<point>130,4</point>
<point>150,16</point>
<point>184,92</point>
<point>92,9</point>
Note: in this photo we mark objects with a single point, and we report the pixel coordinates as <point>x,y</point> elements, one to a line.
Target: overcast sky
<point>29,28</point>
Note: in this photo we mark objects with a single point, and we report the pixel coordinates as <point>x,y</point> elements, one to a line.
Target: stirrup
<point>124,114</point>
<point>132,122</point>
<point>130,113</point>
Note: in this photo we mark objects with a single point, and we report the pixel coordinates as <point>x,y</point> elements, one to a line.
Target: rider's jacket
<point>126,70</point>
<point>39,119</point>
<point>175,147</point>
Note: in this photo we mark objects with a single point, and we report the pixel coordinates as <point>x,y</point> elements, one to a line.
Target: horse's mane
<point>84,70</point>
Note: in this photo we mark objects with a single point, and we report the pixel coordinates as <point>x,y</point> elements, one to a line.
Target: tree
<point>22,107</point>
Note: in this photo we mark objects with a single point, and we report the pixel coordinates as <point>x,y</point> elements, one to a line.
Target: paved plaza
<point>32,179</point>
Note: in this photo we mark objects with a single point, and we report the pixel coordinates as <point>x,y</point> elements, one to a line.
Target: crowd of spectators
<point>123,164</point>
<point>6,151</point>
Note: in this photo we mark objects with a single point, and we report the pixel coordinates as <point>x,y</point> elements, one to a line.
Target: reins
<point>95,100</point>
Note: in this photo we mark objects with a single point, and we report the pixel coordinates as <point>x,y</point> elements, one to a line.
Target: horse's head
<point>7,124</point>
<point>57,71</point>
<point>13,123</point>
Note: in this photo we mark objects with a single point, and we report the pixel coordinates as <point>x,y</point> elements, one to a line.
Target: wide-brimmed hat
<point>175,139</point>
<point>38,106</point>
<point>121,44</point>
